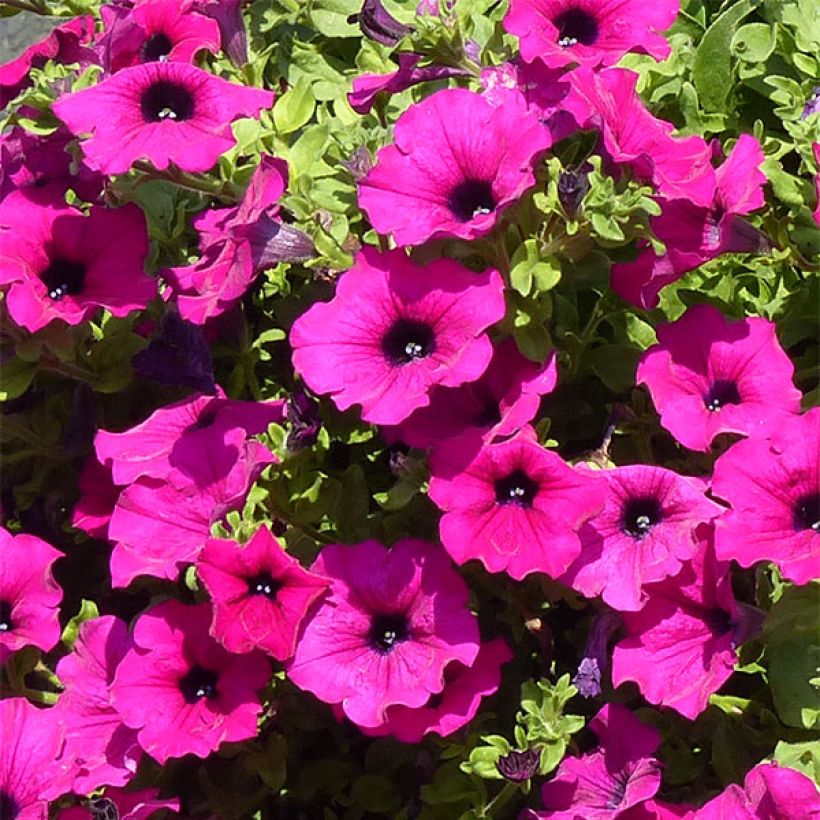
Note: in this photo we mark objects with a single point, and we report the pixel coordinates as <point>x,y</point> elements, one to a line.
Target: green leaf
<point>16,375</point>
<point>754,42</point>
<point>295,108</point>
<point>805,757</point>
<point>88,611</point>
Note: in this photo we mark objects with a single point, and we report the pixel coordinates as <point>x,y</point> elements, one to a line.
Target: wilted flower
<point>519,766</point>
<point>596,654</point>
<point>378,24</point>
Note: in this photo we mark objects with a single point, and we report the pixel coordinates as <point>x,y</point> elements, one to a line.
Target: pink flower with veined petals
<point>29,596</point>
<point>610,781</point>
<point>63,264</point>
<point>138,805</point>
<point>769,792</point>
<point>99,748</point>
<point>98,497</point>
<point>709,376</point>
<point>644,532</point>
<point>773,487</point>
<point>455,164</point>
<point>499,504</point>
<point>391,623</point>
<point>160,525</point>
<point>161,112</point>
<point>260,594</point>
<point>181,691</point>
<point>500,402</point>
<point>153,447</point>
<point>394,330</point>
<point>590,32</point>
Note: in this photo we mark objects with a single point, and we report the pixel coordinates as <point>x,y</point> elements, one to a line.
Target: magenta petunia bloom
<point>62,264</point>
<point>773,488</point>
<point>456,705</point>
<point>456,163</point>
<point>769,792</point>
<point>98,497</point>
<point>29,596</point>
<point>680,648</point>
<point>129,805</point>
<point>161,112</point>
<point>694,234</point>
<point>499,403</point>
<point>391,623</point>
<point>232,33</point>
<point>709,376</point>
<point>260,594</point>
<point>816,151</point>
<point>590,32</point>
<point>160,525</point>
<point>156,446</point>
<point>155,30</point>
<point>500,504</point>
<point>394,330</point>
<point>99,748</point>
<point>679,167</point>
<point>606,783</point>
<point>30,740</point>
<point>643,534</point>
<point>181,691</point>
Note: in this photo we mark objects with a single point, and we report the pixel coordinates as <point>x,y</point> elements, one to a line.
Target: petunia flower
<point>99,748</point>
<point>595,661</point>
<point>29,596</point>
<point>161,112</point>
<point>158,445</point>
<point>232,32</point>
<point>681,646</point>
<point>769,792</point>
<point>394,330</point>
<point>378,24</point>
<point>709,376</point>
<point>121,804</point>
<point>610,781</point>
<point>694,234</point>
<point>98,497</point>
<point>643,534</point>
<point>456,163</point>
<point>181,691</point>
<point>773,487</point>
<point>590,32</point>
<point>500,504</point>
<point>505,398</point>
<point>391,623</point>
<point>63,264</point>
<point>260,594</point>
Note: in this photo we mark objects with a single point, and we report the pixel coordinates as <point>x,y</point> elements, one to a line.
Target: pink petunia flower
<point>680,648</point>
<point>181,691</point>
<point>391,623</point>
<point>709,376</point>
<point>816,151</point>
<point>30,740</point>
<point>160,525</point>
<point>679,167</point>
<point>29,596</point>
<point>499,403</point>
<point>260,594</point>
<point>161,112</point>
<point>773,487</point>
<point>99,748</point>
<point>606,783</point>
<point>63,264</point>
<point>98,497</point>
<point>155,447</point>
<point>456,164</point>
<point>769,792</point>
<point>128,805</point>
<point>394,330</point>
<point>694,234</point>
<point>590,32</point>
<point>500,504</point>
<point>232,33</point>
<point>643,534</point>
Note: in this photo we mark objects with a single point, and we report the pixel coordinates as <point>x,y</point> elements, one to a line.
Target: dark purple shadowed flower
<point>519,766</point>
<point>573,185</point>
<point>596,655</point>
<point>303,416</point>
<point>812,104</point>
<point>228,15</point>
<point>378,24</point>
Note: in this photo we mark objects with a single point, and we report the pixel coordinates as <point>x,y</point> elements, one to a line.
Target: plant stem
<point>222,190</point>
<point>503,797</point>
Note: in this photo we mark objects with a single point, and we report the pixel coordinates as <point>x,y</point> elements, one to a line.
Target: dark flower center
<point>386,631</point>
<point>721,393</point>
<point>63,277</point>
<point>9,807</point>
<point>103,808</point>
<point>6,623</point>
<point>640,515</point>
<point>408,340</point>
<point>206,418</point>
<point>166,100</point>
<point>576,26</point>
<point>264,584</point>
<point>807,512</point>
<point>618,793</point>
<point>156,47</point>
<point>719,621</point>
<point>517,488</point>
<point>197,684</point>
<point>489,415</point>
<point>471,198</point>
